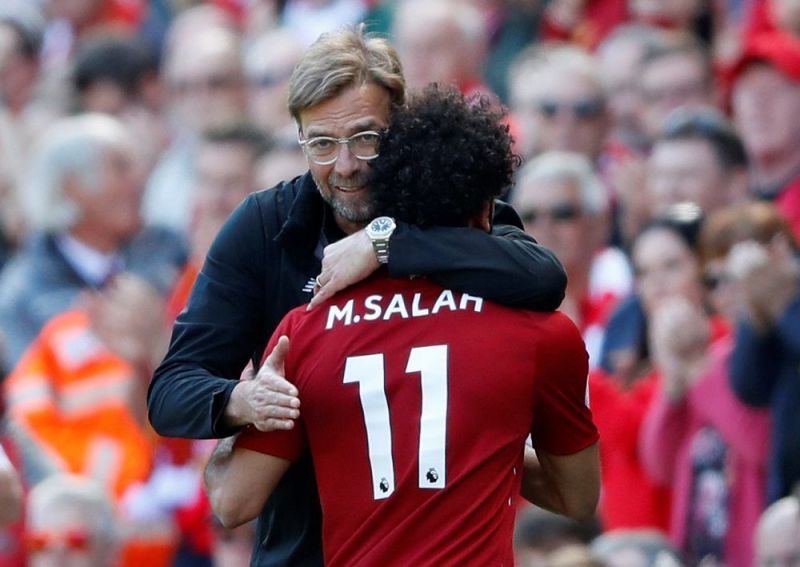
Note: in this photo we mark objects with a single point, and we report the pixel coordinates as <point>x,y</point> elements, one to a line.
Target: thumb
<point>277,358</point>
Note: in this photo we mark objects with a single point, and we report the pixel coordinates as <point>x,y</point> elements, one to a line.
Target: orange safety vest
<point>73,396</point>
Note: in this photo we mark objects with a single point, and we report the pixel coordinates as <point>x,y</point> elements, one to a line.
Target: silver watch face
<point>381,227</point>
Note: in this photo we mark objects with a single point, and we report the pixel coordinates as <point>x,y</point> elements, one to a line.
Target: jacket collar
<point>309,222</point>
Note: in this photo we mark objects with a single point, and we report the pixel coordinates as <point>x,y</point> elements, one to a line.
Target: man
<point>441,41</point>
<point>698,157</point>
<point>206,88</point>
<point>673,74</point>
<point>561,199</point>
<point>558,100</point>
<point>84,209</point>
<point>70,521</point>
<point>765,98</point>
<point>265,260</point>
<point>433,478</point>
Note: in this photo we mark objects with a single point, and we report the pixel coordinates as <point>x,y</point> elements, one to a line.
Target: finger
<point>319,297</point>
<point>278,412</point>
<point>273,398</point>
<point>275,383</point>
<point>276,359</point>
<point>271,424</point>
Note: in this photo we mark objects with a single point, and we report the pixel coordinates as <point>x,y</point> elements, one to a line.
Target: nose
<point>347,163</point>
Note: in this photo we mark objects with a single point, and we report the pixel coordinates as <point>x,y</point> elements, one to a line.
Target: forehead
<point>360,107</point>
<point>565,84</point>
<point>658,246</point>
<point>547,191</point>
<point>679,64</point>
<point>761,73</point>
<point>683,151</point>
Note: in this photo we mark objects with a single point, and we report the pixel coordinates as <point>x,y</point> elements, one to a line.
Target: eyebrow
<point>365,126</point>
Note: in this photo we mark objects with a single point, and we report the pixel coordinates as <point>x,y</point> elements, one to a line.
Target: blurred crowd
<point>661,162</point>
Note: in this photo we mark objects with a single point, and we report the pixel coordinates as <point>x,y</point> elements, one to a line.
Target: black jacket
<point>262,265</point>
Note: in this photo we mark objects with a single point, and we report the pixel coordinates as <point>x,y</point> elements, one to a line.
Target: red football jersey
<point>416,404</point>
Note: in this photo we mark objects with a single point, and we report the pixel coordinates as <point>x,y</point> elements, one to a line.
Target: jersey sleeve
<point>562,423</point>
<point>286,444</point>
<point>506,266</point>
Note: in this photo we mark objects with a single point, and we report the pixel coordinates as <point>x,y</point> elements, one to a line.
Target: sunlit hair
<point>74,148</point>
<point>340,60</point>
<point>533,63</point>
<point>80,497</point>
<point>566,166</point>
<point>757,221</point>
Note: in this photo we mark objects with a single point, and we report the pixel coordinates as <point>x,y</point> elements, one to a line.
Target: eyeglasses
<point>73,539</point>
<point>561,212</point>
<point>584,109</point>
<point>324,150</point>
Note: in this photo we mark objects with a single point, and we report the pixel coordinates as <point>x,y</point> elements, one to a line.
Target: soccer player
<point>417,400</point>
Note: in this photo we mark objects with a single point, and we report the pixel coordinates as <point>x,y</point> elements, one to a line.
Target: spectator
<point>226,172</point>
<point>84,206</point>
<point>205,83</point>
<point>667,265</point>
<point>563,202</point>
<point>108,75</point>
<point>268,64</point>
<point>765,364</point>
<point>714,455</point>
<point>21,116</point>
<point>677,73</point>
<point>71,522</point>
<point>766,102</point>
<point>620,56</point>
<point>698,157</point>
<point>558,102</point>
<point>778,534</point>
<point>441,41</point>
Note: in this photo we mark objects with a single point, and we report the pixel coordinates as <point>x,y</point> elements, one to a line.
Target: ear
<point>483,220</point>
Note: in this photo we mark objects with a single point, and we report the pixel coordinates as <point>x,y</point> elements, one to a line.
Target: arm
<point>664,430</point>
<point>215,335</point>
<point>239,481</point>
<point>568,485</point>
<point>506,265</point>
<point>754,365</point>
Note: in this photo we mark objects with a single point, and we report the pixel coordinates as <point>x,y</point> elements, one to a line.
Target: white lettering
<point>396,305</point>
<point>445,299</point>
<point>478,301</point>
<point>335,314</point>
<point>373,307</point>
<point>416,310</point>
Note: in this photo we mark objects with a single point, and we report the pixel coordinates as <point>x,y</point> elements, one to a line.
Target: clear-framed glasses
<point>324,150</point>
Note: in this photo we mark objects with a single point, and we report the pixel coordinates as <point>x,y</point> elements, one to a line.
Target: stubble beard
<point>358,209</point>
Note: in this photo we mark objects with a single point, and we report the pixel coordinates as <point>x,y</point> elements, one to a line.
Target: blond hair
<point>342,59</point>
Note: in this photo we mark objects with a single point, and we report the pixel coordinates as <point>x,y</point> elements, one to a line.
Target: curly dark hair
<point>442,159</point>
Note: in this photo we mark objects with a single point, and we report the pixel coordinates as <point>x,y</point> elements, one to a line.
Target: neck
<point>94,241</point>
<point>348,226</point>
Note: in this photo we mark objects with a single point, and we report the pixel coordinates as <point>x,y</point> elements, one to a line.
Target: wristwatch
<point>379,232</point>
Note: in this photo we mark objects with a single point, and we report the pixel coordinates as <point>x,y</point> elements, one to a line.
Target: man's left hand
<point>344,263</point>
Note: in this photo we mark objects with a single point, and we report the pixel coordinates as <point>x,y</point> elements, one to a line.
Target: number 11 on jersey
<point>369,372</point>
